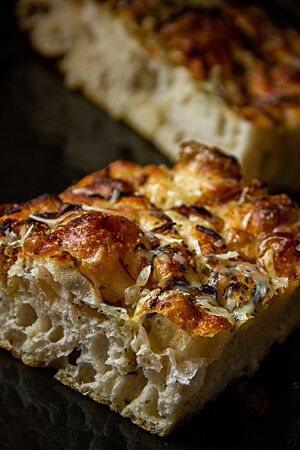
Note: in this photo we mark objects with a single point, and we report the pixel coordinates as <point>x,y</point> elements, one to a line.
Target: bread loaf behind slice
<point>101,53</point>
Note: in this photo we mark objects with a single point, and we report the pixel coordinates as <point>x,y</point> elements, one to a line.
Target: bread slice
<point>150,289</point>
<point>224,75</point>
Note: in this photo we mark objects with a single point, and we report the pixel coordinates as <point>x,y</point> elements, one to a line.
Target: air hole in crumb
<point>130,388</point>
<point>150,404</point>
<point>15,337</point>
<point>45,324</point>
<point>220,128</point>
<point>47,288</point>
<point>26,315</point>
<point>86,373</point>
<point>99,347</point>
<point>57,334</point>
<point>73,356</point>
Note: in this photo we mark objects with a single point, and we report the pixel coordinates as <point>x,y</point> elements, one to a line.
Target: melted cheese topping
<point>168,241</point>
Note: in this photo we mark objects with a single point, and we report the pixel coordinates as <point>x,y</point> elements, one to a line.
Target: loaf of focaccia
<point>215,71</point>
<point>150,289</point>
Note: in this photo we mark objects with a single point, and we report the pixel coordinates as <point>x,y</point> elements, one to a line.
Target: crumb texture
<point>150,288</point>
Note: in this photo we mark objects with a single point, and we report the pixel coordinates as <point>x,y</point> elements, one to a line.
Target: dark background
<point>49,138</point>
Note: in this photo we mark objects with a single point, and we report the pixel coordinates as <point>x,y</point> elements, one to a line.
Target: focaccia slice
<point>150,289</point>
<point>219,72</point>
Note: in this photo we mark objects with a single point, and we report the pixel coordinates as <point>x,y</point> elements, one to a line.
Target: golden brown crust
<point>183,310</point>
<point>284,248</point>
<point>197,243</point>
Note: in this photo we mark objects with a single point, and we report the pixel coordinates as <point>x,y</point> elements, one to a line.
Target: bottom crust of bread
<point>152,372</point>
<point>164,103</point>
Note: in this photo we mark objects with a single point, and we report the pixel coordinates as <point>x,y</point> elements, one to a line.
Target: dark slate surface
<point>50,137</point>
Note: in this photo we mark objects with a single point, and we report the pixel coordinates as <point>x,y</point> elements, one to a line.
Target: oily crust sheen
<point>163,68</point>
<point>150,274</point>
